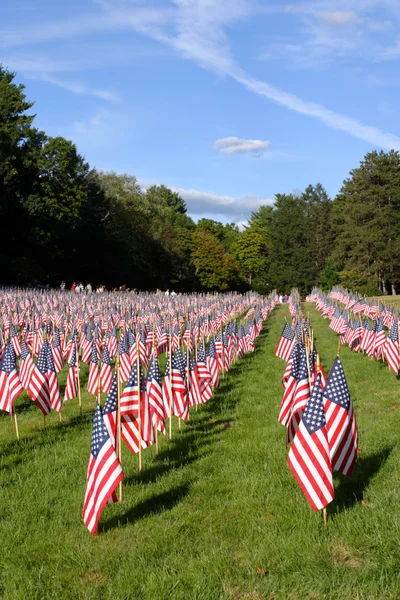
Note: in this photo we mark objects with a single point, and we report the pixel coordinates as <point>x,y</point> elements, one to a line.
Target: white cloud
<point>337,18</point>
<point>78,88</point>
<point>235,145</point>
<point>226,207</point>
<point>195,29</point>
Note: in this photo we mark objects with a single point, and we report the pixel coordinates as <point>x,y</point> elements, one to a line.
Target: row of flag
<point>361,324</point>
<point>317,412</point>
<point>145,404</point>
<point>47,331</point>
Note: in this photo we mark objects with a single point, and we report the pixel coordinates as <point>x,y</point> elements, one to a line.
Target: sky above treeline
<point>226,101</point>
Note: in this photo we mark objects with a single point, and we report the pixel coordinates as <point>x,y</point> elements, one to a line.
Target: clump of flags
<point>120,337</point>
<point>361,324</point>
<point>317,412</point>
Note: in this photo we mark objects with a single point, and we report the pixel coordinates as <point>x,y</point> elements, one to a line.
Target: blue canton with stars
<point>154,372</point>
<point>99,434</point>
<point>314,416</point>
<point>112,399</point>
<point>336,389</point>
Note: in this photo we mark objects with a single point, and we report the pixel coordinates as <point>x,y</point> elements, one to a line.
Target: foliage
<point>59,219</point>
<point>215,268</point>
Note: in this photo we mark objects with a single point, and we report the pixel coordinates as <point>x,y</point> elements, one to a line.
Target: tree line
<point>60,219</point>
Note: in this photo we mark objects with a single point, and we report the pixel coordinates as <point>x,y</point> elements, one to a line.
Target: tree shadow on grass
<point>152,506</point>
<point>46,436</point>
<point>350,490</point>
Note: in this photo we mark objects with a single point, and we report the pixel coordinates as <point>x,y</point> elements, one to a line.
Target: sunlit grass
<point>217,514</point>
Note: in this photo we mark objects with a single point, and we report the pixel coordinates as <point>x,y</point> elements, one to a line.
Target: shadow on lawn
<point>350,490</point>
<point>152,506</point>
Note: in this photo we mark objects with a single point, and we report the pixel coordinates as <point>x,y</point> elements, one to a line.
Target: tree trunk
<point>393,289</point>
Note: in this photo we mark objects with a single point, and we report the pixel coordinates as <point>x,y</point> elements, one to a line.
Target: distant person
<point>173,293</point>
<point>73,287</point>
<point>89,288</point>
<point>166,292</point>
<point>62,286</point>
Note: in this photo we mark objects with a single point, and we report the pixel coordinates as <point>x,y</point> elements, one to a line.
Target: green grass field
<point>217,514</point>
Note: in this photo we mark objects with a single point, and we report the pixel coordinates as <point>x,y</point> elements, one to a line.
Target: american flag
<point>130,395</point>
<point>212,364</point>
<point>93,380</point>
<point>110,410</point>
<point>26,366</point>
<point>155,395</point>
<point>195,395</point>
<point>290,386</point>
<point>309,457</point>
<point>391,348</point>
<point>106,370</point>
<point>204,375</point>
<point>54,390</point>
<point>104,473</point>
<point>124,364</point>
<point>179,391</point>
<point>340,421</point>
<point>10,385</point>
<point>15,340</point>
<point>300,397</point>
<point>39,386</point>
<point>71,389</point>
<point>285,343</point>
<point>56,349</point>
<point>380,338</point>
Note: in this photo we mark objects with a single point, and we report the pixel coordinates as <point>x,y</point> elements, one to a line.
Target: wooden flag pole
<point>308,366</point>
<point>118,430</point>
<point>15,421</point>
<point>139,407</point>
<point>338,349</point>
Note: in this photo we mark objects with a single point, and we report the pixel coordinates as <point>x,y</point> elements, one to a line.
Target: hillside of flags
<point>122,339</point>
<point>369,327</point>
<point>275,477</point>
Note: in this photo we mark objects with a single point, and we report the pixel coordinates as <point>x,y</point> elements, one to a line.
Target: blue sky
<point>227,101</point>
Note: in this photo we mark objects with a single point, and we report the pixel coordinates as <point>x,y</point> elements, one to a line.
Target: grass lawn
<point>388,300</point>
<point>217,514</point>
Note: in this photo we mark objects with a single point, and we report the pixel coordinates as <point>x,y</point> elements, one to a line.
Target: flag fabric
<point>155,395</point>
<point>106,370</point>
<point>26,366</point>
<point>110,410</point>
<point>93,380</point>
<point>130,395</point>
<point>56,349</point>
<point>104,473</point>
<point>71,388</point>
<point>10,385</point>
<point>391,348</point>
<point>340,421</point>
<point>39,385</point>
<point>309,456</point>
<point>300,397</point>
<point>285,343</point>
<point>54,390</point>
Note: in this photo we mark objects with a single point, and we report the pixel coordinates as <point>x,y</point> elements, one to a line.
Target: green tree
<point>20,145</point>
<point>215,268</point>
<point>365,215</point>
<point>250,252</point>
